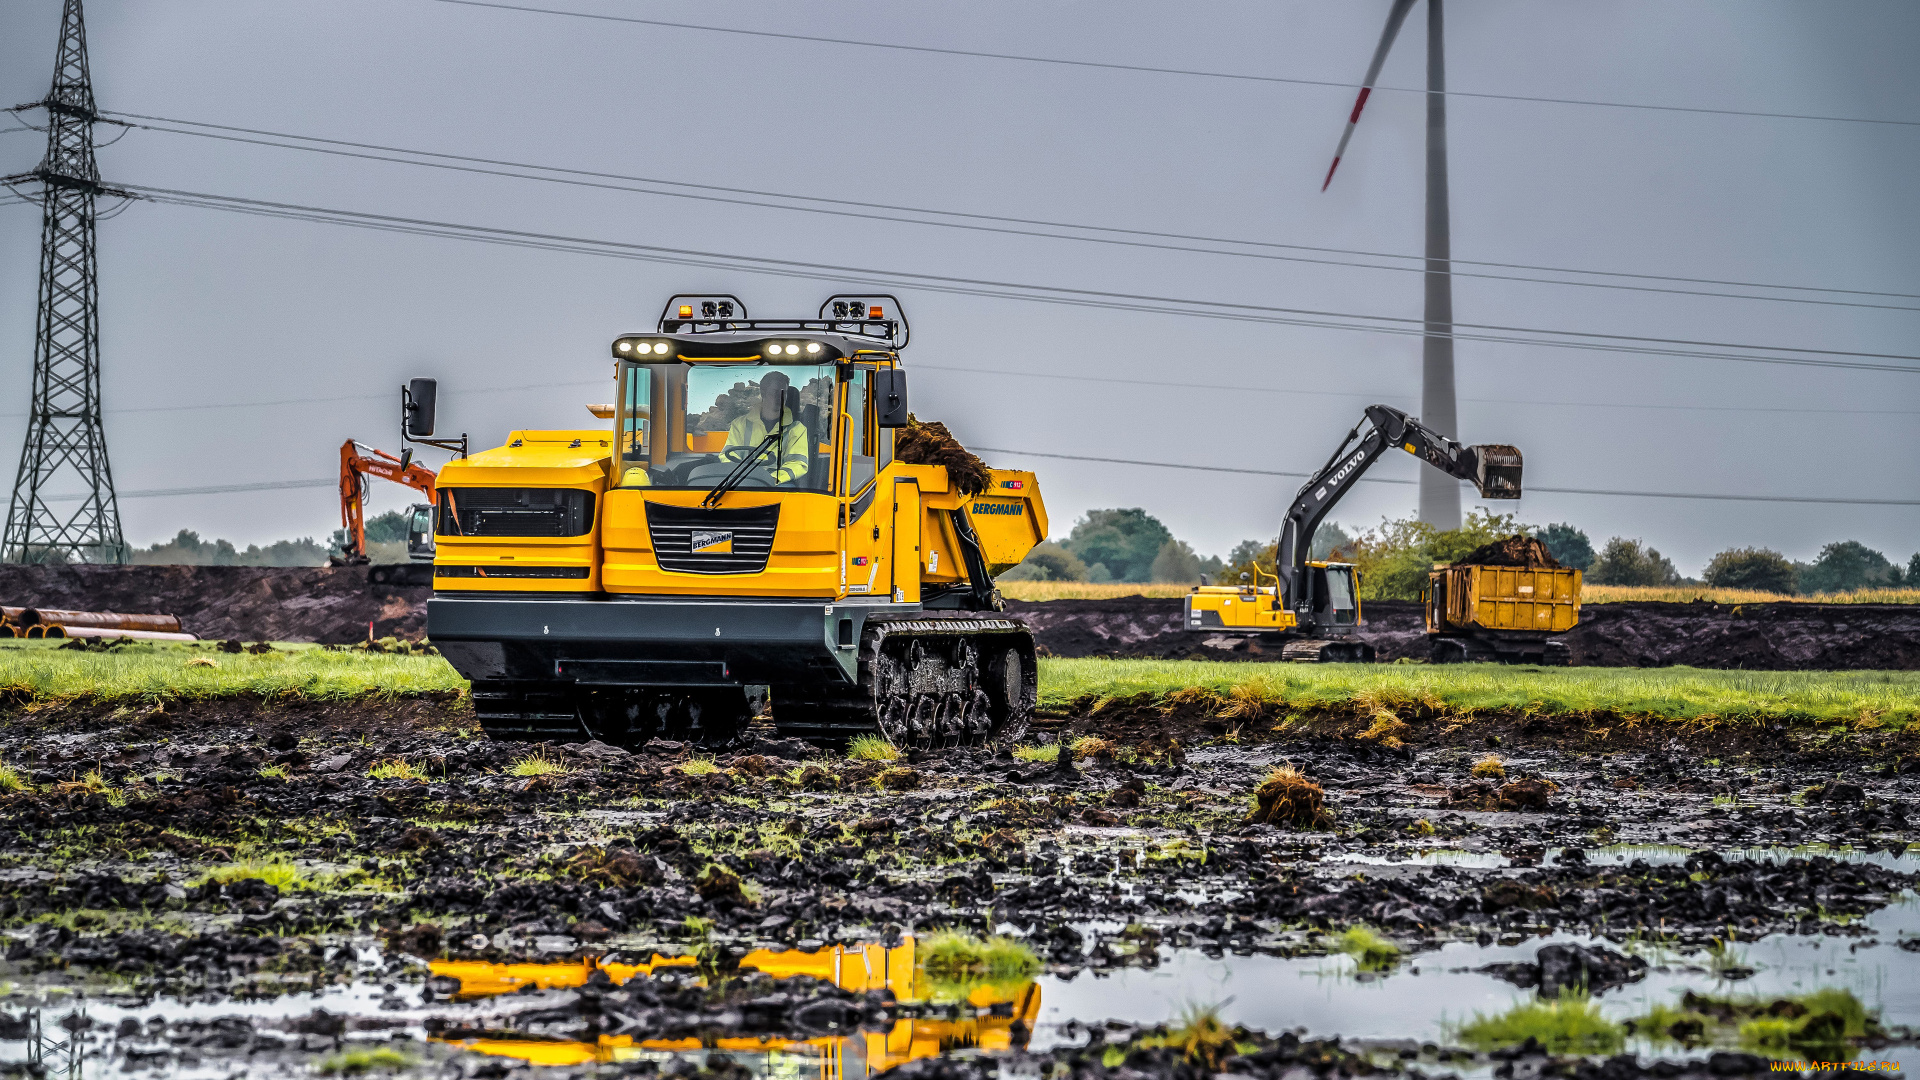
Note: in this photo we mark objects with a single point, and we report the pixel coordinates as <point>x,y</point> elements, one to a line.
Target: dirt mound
<point>1515,550</point>
<point>933,444</point>
<point>335,604</point>
<point>305,603</point>
<point>1760,637</point>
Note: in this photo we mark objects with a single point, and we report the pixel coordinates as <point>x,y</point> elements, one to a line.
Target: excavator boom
<point>356,464</point>
<point>1314,607</point>
<point>1493,469</point>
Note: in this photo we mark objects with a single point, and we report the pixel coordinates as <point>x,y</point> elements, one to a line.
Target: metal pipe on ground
<point>102,620</point>
<point>107,632</point>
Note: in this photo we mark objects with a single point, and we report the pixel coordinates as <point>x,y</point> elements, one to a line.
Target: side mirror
<point>890,397</point>
<point>418,400</point>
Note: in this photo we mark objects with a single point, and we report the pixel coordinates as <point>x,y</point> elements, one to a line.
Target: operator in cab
<point>788,453</point>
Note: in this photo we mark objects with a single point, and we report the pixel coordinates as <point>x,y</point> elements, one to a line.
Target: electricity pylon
<point>65,456</point>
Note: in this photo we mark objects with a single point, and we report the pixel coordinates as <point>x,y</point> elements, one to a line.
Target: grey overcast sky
<point>205,311</point>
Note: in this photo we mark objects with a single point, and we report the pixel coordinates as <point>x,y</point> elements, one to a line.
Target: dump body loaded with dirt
<point>634,582</point>
<point>1503,602</point>
<point>1312,609</point>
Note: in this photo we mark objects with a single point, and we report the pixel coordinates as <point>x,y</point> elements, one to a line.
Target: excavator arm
<point>358,462</point>
<point>1493,469</point>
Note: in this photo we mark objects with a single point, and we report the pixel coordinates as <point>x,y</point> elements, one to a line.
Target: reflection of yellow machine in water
<point>995,1012</point>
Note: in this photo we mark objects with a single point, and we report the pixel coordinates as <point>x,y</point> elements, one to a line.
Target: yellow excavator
<point>743,521</point>
<point>1312,608</point>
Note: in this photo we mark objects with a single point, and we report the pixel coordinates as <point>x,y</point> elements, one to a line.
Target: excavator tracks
<point>926,683</point>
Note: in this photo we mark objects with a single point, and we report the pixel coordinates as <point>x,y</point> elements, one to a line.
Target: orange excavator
<point>357,462</point>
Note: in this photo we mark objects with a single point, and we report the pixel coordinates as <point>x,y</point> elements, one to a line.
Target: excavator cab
<point>420,532</point>
<point>1331,596</point>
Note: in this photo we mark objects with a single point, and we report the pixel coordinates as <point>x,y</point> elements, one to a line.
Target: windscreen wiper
<point>739,472</point>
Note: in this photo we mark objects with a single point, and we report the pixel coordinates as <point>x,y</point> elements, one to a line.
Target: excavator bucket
<point>1498,476</point>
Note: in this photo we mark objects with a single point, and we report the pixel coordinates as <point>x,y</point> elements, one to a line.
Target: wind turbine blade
<point>1394,18</point>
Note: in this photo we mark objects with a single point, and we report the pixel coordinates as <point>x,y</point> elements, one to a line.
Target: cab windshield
<point>691,426</point>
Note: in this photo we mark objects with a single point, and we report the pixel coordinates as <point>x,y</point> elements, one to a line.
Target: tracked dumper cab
<point>741,522</point>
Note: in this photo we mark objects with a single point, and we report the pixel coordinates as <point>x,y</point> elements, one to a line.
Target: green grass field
<point>163,671</point>
<point>1679,693</point>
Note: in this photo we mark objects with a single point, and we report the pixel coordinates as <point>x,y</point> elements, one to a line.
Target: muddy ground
<point>334,605</point>
<point>1138,852</point>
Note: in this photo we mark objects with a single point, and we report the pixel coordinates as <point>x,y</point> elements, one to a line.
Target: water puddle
<point>542,1014</point>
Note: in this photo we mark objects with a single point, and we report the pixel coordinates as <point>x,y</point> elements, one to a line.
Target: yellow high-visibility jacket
<point>791,448</point>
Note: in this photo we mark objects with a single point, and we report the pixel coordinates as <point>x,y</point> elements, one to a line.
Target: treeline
<point>386,542</point>
<point>1394,559</point>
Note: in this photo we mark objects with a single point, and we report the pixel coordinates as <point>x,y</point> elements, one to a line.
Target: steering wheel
<point>709,473</point>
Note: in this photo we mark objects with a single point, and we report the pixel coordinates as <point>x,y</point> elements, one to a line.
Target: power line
<point>214,489</point>
<point>1529,487</point>
<point>326,400</point>
<point>1388,396</point>
<point>1138,238</point>
<point>1151,70</point>
<point>1050,294</point>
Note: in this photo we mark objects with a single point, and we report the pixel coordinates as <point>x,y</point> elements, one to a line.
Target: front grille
<point>510,571</point>
<point>515,512</point>
<point>751,539</point>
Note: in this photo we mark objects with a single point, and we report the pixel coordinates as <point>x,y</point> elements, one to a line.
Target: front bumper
<point>650,641</point>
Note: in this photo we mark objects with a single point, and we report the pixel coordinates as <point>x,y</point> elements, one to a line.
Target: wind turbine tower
<point>1439,493</point>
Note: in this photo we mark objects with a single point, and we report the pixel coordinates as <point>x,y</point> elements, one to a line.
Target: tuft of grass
<point>1664,1023</point>
<point>93,783</point>
<point>955,963</point>
<point>392,769</point>
<point>1695,695</point>
<point>534,765</point>
<point>871,748</point>
<point>1490,767</point>
<point>1387,729</point>
<point>280,874</point>
<point>361,1060</point>
<point>1290,797</point>
<point>1202,1037</point>
<point>1252,699</point>
<point>13,778</point>
<point>1818,1022</point>
<point>1371,951</point>
<point>1570,1024</point>
<point>699,766</point>
<point>1088,747</point>
<point>275,772</point>
<point>1050,752</point>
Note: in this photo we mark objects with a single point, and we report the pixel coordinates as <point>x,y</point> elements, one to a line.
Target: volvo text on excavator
<point>1312,608</point>
<point>742,522</point>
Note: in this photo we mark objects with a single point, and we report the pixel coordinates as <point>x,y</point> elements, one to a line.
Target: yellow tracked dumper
<point>1501,613</point>
<point>742,521</point>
